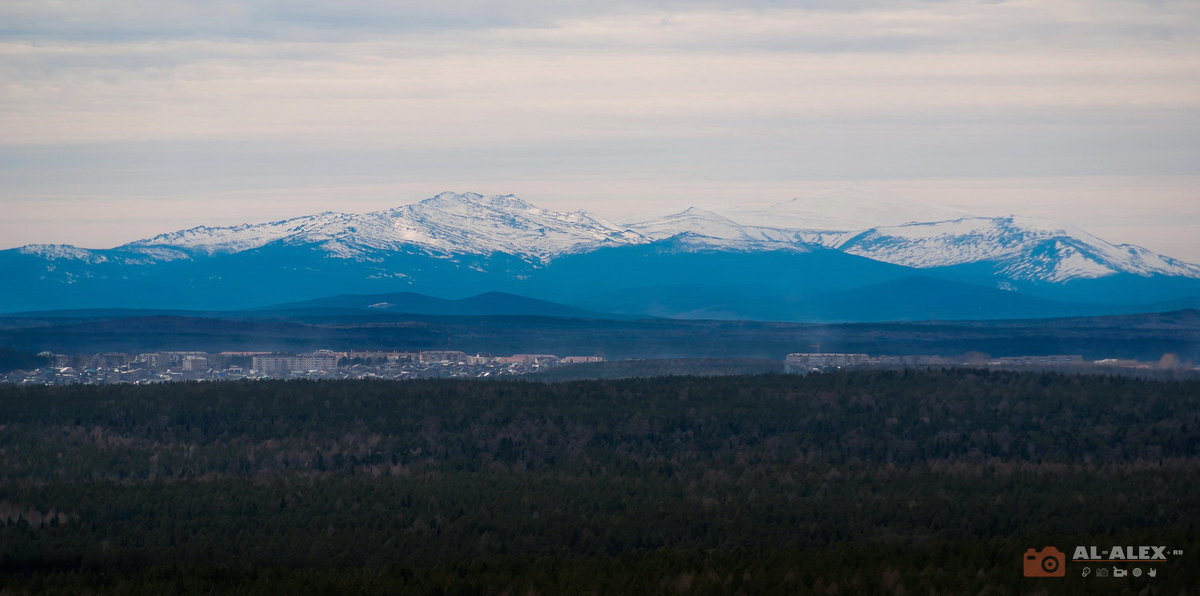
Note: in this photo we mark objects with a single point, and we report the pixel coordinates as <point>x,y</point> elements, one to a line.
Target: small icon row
<point>1119,572</point>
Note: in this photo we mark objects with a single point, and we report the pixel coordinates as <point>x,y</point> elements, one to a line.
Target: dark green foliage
<point>15,359</point>
<point>867,482</point>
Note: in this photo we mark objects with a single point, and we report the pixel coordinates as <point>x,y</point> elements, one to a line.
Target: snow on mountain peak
<point>691,220</point>
<point>920,236</point>
<point>1018,248</point>
<point>702,229</point>
<point>62,251</point>
<point>449,200</point>
<point>509,202</point>
<point>230,239</point>
<point>1022,248</point>
<point>449,223</point>
<point>503,223</point>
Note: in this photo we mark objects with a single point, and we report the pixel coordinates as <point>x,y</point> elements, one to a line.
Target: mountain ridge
<point>461,244</point>
<point>469,223</point>
<point>485,304</point>
<point>446,223</point>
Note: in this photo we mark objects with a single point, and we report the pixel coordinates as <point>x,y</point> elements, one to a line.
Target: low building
<point>1050,360</point>
<point>805,361</point>
<point>529,359</point>
<point>441,356</point>
<point>195,363</point>
<point>580,359</point>
<point>110,360</point>
<point>55,360</point>
<point>284,365</point>
<point>382,356</point>
<point>1124,363</point>
<point>164,360</point>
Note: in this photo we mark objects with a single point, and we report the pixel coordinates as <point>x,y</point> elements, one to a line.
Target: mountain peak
<point>472,200</point>
<point>693,221</point>
<point>444,199</point>
<point>56,251</point>
<point>1021,248</point>
<point>470,223</point>
<point>509,202</point>
<point>447,223</point>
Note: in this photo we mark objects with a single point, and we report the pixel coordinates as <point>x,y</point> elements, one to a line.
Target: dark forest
<point>840,483</point>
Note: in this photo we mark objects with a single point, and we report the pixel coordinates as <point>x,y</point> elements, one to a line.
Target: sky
<point>125,118</point>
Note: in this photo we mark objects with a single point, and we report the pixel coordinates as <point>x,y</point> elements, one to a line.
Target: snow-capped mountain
<point>448,223</point>
<point>703,229</point>
<point>213,240</point>
<point>127,255</point>
<point>1021,248</point>
<point>503,223</point>
<point>695,221</point>
<point>755,264</point>
<point>923,236</point>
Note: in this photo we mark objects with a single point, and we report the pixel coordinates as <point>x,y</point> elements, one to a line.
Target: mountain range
<point>846,255</point>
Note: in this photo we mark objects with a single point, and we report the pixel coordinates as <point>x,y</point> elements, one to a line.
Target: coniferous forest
<point>841,483</point>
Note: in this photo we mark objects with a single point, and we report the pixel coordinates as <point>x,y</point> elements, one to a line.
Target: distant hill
<point>913,298</point>
<point>350,307</point>
<point>486,304</point>
<point>1144,337</point>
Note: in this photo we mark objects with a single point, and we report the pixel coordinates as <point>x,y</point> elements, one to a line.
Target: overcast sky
<point>122,119</point>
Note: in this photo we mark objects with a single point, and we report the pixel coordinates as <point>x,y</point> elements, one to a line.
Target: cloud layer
<point>163,100</point>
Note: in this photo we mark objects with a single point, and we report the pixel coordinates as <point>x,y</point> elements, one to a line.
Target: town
<point>168,366</point>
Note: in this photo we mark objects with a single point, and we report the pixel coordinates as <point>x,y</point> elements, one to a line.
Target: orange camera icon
<point>1048,562</point>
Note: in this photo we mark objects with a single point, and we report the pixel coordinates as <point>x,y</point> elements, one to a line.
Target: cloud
<point>682,24</point>
<point>160,98</point>
<point>469,73</point>
<point>277,19</point>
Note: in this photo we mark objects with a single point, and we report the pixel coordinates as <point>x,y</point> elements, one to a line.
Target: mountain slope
<point>448,223</point>
<point>910,298</point>
<point>679,261</point>
<point>487,304</point>
<point>1019,248</point>
<point>708,229</point>
<point>267,275</point>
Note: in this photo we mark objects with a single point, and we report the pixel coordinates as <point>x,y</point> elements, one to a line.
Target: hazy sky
<point>122,119</point>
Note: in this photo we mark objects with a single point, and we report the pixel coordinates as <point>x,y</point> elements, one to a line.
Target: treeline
<point>628,369</point>
<point>1143,337</point>
<point>18,360</point>
<point>831,483</point>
